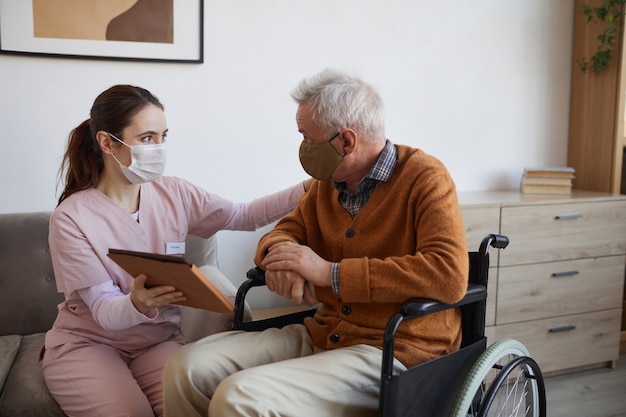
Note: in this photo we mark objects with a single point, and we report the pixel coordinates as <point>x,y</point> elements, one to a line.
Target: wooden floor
<point>594,393</point>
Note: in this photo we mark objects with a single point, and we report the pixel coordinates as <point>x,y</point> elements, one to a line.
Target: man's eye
<point>164,138</point>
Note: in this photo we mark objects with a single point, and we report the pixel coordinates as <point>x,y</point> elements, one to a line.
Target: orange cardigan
<point>408,241</point>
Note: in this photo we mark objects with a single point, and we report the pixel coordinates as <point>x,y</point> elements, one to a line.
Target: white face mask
<point>147,162</point>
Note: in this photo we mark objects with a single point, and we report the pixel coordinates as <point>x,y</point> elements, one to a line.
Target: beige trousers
<point>271,373</point>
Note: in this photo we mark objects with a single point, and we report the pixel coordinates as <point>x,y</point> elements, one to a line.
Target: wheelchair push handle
<point>500,241</point>
<point>495,241</point>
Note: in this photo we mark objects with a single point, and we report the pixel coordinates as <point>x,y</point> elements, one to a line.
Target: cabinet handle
<point>568,217</point>
<point>562,274</point>
<point>562,329</point>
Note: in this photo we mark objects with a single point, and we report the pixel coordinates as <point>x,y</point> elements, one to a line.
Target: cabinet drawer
<point>570,341</point>
<point>551,289</point>
<point>479,222</point>
<point>563,231</point>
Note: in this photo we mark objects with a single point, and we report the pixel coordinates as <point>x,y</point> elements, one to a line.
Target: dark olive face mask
<point>320,160</point>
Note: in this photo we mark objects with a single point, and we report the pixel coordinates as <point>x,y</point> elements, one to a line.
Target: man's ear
<point>348,138</point>
<point>104,142</point>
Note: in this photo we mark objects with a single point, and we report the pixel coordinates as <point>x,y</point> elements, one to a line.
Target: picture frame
<point>101,29</point>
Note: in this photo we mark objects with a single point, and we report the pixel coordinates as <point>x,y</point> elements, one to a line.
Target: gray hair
<point>341,101</point>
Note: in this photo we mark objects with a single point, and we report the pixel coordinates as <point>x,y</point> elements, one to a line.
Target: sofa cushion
<point>29,294</point>
<point>9,345</point>
<point>25,392</point>
<point>201,251</point>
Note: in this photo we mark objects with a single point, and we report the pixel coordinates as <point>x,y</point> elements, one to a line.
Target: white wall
<point>483,85</point>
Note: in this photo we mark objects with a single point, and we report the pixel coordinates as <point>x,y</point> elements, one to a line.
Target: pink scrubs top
<point>87,224</point>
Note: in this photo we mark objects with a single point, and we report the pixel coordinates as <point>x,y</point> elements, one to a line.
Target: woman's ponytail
<point>82,162</point>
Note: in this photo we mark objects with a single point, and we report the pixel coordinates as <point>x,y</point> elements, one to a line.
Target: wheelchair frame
<point>475,381</point>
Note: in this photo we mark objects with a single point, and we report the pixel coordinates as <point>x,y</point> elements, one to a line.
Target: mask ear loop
<point>333,138</point>
<point>125,144</point>
<point>119,140</point>
<point>118,161</point>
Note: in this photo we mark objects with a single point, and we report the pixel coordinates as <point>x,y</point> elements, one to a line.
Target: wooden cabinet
<point>597,139</point>
<point>596,125</point>
<point>558,286</point>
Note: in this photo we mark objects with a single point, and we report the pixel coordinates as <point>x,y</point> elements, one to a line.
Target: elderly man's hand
<point>292,269</point>
<point>290,256</point>
<point>290,285</point>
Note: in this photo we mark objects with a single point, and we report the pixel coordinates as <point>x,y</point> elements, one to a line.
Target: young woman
<point>106,350</point>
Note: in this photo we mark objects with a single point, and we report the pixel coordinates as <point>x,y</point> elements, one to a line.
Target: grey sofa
<point>28,307</point>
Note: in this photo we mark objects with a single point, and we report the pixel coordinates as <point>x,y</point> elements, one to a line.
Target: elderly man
<point>382,224</point>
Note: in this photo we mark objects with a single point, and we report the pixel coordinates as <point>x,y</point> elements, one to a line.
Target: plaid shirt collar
<point>353,202</point>
<point>382,169</point>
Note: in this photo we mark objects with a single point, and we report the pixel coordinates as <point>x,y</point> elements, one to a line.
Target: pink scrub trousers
<point>90,379</point>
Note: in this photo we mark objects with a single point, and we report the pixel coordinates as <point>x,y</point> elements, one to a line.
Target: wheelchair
<point>475,381</point>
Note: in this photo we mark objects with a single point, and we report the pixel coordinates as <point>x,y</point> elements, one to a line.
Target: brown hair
<point>112,112</point>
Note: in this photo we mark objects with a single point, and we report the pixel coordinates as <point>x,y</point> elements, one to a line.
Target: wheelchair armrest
<point>419,307</point>
<point>257,275</point>
<point>256,278</point>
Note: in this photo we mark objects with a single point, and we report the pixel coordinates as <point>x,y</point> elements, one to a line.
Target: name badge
<point>174,248</point>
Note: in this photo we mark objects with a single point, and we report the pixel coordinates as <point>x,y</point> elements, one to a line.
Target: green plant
<point>610,12</point>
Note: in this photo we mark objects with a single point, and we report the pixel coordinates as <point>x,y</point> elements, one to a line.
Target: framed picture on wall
<point>133,30</point>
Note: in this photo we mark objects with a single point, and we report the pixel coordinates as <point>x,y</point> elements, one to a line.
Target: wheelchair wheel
<point>489,365</point>
<point>518,389</point>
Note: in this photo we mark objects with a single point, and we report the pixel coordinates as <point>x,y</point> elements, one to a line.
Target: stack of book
<point>548,180</point>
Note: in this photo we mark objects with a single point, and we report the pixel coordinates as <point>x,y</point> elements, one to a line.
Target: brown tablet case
<point>177,272</point>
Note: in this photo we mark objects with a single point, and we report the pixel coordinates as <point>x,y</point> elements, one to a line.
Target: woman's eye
<point>153,138</point>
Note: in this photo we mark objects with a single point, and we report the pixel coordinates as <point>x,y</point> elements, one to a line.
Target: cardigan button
<point>350,233</point>
<point>334,338</point>
<point>346,310</point>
